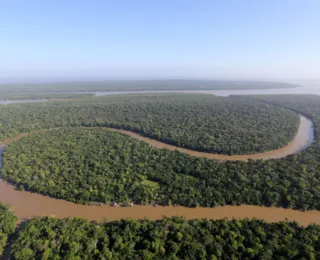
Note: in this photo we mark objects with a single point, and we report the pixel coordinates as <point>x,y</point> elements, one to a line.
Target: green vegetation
<point>7,225</point>
<point>141,85</point>
<point>176,238</point>
<point>198,122</point>
<point>82,165</point>
<point>45,162</point>
<point>96,165</point>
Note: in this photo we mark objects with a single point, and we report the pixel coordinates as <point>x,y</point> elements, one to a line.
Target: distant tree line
<point>141,85</point>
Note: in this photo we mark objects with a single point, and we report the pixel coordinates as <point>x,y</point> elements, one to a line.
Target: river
<point>302,140</point>
<point>27,205</point>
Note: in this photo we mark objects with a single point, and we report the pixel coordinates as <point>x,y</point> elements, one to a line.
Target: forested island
<point>175,238</point>
<point>142,85</point>
<point>198,122</point>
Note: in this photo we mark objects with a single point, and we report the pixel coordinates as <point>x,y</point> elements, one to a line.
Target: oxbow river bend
<point>27,205</point>
<point>301,141</point>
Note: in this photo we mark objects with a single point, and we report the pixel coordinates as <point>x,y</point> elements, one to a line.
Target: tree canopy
<point>53,163</point>
<point>96,165</point>
<point>175,238</point>
<point>198,122</point>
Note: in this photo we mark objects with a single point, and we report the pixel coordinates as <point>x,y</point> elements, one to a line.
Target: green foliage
<point>8,223</point>
<point>175,238</point>
<point>82,165</point>
<point>47,164</point>
<point>198,122</point>
<point>95,165</point>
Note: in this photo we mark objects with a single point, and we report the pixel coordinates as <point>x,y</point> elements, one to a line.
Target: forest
<point>8,222</point>
<point>161,176</point>
<point>95,165</point>
<point>141,85</point>
<point>169,238</point>
<point>198,122</point>
<point>90,165</point>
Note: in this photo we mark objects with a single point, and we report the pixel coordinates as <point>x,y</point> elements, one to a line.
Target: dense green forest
<point>175,238</point>
<point>198,122</point>
<point>162,176</point>
<point>37,95</point>
<point>141,85</point>
<point>96,165</point>
<point>83,165</point>
<point>7,225</point>
<point>307,105</point>
<point>181,179</point>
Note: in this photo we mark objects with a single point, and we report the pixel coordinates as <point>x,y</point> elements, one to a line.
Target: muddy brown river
<point>302,140</point>
<point>27,205</point>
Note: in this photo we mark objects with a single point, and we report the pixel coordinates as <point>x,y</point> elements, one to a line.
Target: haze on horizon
<point>99,40</point>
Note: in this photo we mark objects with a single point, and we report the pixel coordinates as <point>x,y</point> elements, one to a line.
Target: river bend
<point>27,205</point>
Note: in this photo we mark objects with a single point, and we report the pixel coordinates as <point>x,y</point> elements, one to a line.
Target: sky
<point>93,40</point>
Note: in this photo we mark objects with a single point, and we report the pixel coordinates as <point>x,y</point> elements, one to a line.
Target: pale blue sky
<point>159,39</point>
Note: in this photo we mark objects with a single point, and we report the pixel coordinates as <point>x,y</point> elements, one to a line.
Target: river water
<point>313,89</point>
<point>27,205</point>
